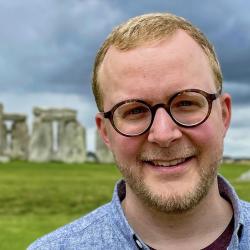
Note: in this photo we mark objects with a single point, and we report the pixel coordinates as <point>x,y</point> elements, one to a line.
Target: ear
<point>226,105</point>
<point>102,128</point>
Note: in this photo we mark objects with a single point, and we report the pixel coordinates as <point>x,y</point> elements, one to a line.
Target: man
<point>158,86</point>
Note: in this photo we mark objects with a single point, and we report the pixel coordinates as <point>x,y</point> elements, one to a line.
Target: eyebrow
<point>151,103</point>
<point>147,100</point>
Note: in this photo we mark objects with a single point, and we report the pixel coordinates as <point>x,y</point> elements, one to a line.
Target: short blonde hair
<point>146,28</point>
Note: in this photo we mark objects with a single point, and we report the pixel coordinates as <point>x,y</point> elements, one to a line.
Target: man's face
<point>170,168</point>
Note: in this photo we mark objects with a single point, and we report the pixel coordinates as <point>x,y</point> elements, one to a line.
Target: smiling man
<point>163,114</point>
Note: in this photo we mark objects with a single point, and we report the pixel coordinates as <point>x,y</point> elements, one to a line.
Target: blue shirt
<point>107,228</point>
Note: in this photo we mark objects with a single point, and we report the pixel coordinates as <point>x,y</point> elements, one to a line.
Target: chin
<point>173,196</point>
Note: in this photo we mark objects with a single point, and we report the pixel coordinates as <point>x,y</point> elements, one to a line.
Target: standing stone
<point>20,140</point>
<point>72,137</point>
<point>104,155</point>
<point>4,138</point>
<point>1,129</point>
<point>41,142</point>
<point>14,140</point>
<point>4,159</point>
<point>245,176</point>
<point>3,141</point>
<point>7,141</point>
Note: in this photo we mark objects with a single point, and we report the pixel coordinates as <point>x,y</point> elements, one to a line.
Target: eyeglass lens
<point>189,108</point>
<point>186,108</point>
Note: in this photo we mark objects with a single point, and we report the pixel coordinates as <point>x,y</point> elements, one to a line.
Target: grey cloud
<point>226,23</point>
<point>237,142</point>
<point>50,45</point>
<point>240,119</point>
<point>240,93</point>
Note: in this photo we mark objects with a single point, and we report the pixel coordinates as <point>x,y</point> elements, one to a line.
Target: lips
<point>168,163</point>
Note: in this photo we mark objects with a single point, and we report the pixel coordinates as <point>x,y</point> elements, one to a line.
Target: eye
<point>132,111</point>
<point>185,103</point>
<point>135,111</point>
<point>190,102</point>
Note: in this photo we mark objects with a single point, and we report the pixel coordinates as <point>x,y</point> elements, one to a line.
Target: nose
<point>164,130</point>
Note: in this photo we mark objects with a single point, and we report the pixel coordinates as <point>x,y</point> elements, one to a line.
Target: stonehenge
<point>14,140</point>
<point>56,135</point>
<point>103,154</point>
<point>2,131</point>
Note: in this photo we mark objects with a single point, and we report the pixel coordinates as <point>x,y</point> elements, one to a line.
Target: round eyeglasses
<point>187,108</point>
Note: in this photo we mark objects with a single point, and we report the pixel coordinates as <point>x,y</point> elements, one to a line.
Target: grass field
<point>37,198</point>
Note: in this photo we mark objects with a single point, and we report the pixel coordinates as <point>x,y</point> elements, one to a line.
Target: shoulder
<point>245,220</point>
<point>245,206</point>
<point>93,229</point>
<point>245,209</point>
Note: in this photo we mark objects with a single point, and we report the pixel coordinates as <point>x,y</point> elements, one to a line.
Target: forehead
<point>170,63</point>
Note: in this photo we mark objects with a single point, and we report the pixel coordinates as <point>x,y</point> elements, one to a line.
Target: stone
<point>20,140</point>
<point>14,117</point>
<point>53,114</point>
<point>4,139</point>
<point>14,141</point>
<point>64,142</point>
<point>4,159</point>
<point>41,142</point>
<point>71,143</point>
<point>1,129</point>
<point>103,154</point>
<point>245,176</point>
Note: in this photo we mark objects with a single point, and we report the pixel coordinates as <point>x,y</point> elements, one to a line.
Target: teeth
<point>168,163</point>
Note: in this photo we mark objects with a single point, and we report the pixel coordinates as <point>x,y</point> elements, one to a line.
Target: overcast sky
<point>47,48</point>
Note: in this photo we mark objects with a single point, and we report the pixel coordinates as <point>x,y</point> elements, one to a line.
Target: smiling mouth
<point>168,164</point>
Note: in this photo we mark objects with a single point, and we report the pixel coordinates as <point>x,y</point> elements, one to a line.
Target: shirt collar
<point>119,218</point>
<point>228,192</point>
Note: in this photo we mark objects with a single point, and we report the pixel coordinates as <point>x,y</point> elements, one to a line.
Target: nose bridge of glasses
<point>163,126</point>
<point>160,105</point>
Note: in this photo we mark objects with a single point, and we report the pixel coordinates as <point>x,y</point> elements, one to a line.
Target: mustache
<point>171,153</point>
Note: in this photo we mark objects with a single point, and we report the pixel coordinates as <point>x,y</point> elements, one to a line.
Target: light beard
<point>171,203</point>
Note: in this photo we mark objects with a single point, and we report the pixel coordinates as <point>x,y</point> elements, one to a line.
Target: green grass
<point>37,198</point>
<point>232,172</point>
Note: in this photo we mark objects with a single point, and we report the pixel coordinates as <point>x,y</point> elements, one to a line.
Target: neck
<point>159,229</point>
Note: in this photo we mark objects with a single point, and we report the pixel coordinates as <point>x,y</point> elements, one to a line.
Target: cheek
<point>208,138</point>
<point>125,148</point>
